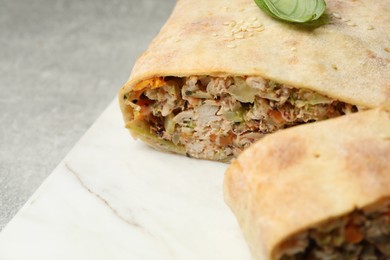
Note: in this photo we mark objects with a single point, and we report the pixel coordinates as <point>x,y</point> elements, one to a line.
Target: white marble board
<point>115,198</point>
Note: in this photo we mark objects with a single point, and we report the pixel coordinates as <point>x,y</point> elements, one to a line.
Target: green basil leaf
<point>297,11</point>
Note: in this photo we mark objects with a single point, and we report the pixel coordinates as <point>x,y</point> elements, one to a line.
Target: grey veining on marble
<point>61,63</point>
<point>106,200</point>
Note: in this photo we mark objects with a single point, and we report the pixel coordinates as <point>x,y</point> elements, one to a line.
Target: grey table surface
<point>61,63</point>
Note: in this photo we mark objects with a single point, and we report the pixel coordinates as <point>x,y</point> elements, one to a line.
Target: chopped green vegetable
<point>242,91</point>
<point>189,124</point>
<point>296,11</point>
<point>198,94</point>
<point>169,125</point>
<point>141,130</point>
<point>303,98</point>
<point>273,84</point>
<point>235,116</point>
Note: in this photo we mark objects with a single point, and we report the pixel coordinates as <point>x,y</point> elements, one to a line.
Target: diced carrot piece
<point>145,110</point>
<point>144,102</point>
<point>387,213</point>
<point>152,83</point>
<point>193,101</point>
<point>226,140</point>
<point>157,83</point>
<point>276,116</point>
<point>353,234</point>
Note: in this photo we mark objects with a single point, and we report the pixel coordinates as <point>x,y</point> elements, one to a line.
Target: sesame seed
<point>239,36</point>
<point>215,34</point>
<point>242,9</point>
<point>240,22</point>
<point>231,45</point>
<point>249,29</point>
<point>236,30</point>
<point>250,35</point>
<point>226,23</point>
<point>260,29</point>
<point>370,27</point>
<point>254,18</point>
<point>293,48</point>
<point>228,39</point>
<point>337,15</point>
<point>256,24</point>
<point>232,23</point>
<point>387,50</point>
<point>351,24</point>
<point>177,40</point>
<point>345,20</point>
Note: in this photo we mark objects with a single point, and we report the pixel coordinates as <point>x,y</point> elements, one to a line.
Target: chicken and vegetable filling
<point>358,235</point>
<point>217,117</point>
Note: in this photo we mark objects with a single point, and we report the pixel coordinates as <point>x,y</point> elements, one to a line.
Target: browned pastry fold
<point>318,191</point>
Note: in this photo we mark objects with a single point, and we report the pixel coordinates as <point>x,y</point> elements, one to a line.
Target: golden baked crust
<point>300,177</point>
<point>346,59</point>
